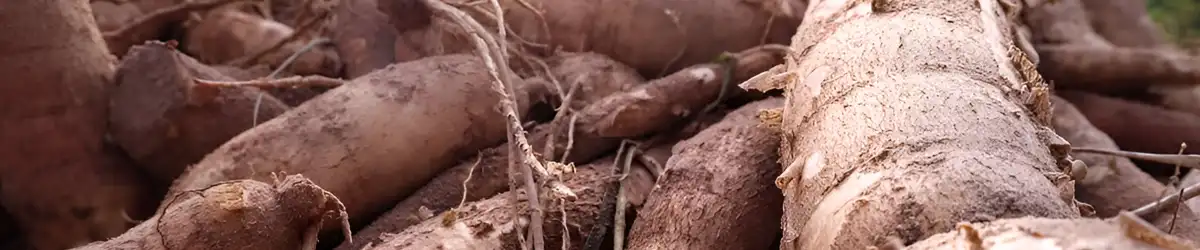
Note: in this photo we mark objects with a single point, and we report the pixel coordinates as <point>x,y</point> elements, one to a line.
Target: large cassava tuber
<point>906,116</point>
<point>592,76</point>
<point>1114,184</point>
<point>166,122</point>
<point>654,37</point>
<point>243,214</point>
<point>599,126</point>
<point>373,141</point>
<point>729,168</point>
<point>59,184</point>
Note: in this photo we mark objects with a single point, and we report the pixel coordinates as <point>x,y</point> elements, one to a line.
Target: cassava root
<point>875,142</point>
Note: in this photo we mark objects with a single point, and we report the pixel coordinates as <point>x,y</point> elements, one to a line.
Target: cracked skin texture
<point>907,121</point>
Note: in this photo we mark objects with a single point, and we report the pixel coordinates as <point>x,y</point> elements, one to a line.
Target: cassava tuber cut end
<point>62,184</point>
<point>242,214</point>
<point>165,121</point>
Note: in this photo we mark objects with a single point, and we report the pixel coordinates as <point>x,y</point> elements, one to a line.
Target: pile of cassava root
<point>575,124</point>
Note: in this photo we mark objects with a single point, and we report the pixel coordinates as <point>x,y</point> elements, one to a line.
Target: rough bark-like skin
<point>373,141</point>
<point>362,37</point>
<point>242,214</point>
<point>646,35</point>
<point>597,76</point>
<point>1138,126</point>
<point>1114,184</point>
<point>488,224</point>
<point>1125,23</point>
<point>58,183</point>
<point>1057,234</point>
<point>153,120</point>
<point>718,191</point>
<point>906,116</point>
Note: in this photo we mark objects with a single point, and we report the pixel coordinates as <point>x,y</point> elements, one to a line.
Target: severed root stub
<point>166,122</point>
<point>242,214</point>
<point>1126,231</point>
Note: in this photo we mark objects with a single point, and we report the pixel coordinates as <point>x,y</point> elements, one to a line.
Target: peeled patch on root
<point>704,74</point>
<point>230,197</point>
<point>812,82</point>
<point>830,215</point>
<point>772,79</point>
<point>813,165</point>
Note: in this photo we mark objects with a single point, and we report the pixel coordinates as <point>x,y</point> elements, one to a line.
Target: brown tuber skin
<point>597,77</point>
<point>166,122</point>
<point>226,35</point>
<point>1137,126</point>
<point>362,37</point>
<point>1125,23</point>
<point>894,109</point>
<point>373,141</point>
<point>488,224</point>
<point>242,214</point>
<point>1114,184</point>
<point>1116,70</point>
<point>654,37</point>
<point>111,15</point>
<point>1075,56</point>
<point>601,125</point>
<point>729,168</point>
<point>59,184</point>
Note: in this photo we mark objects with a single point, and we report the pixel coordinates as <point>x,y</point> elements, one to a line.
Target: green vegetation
<point>1179,18</point>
